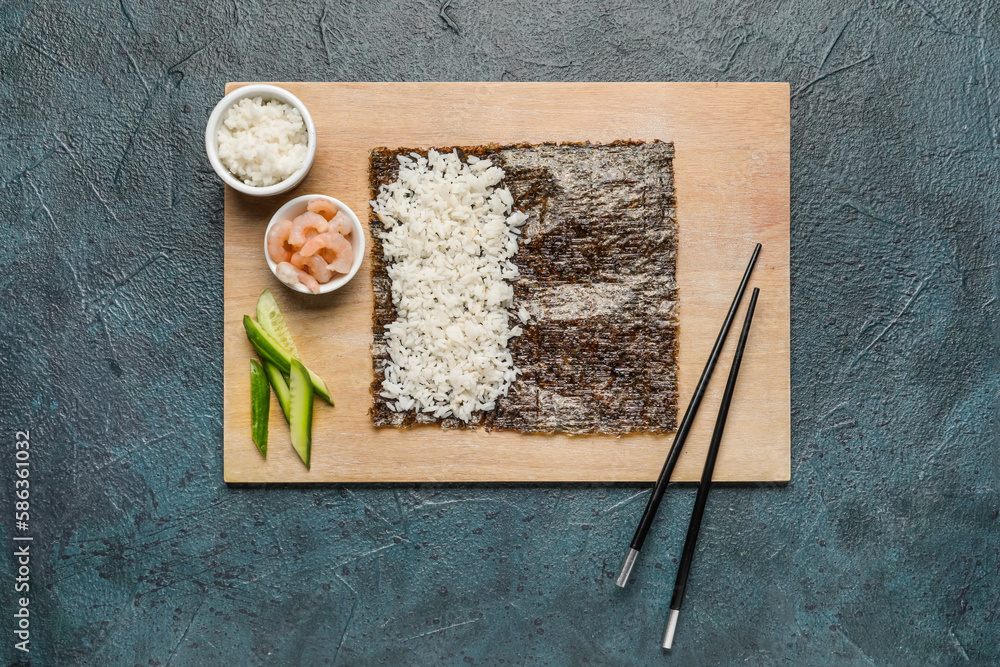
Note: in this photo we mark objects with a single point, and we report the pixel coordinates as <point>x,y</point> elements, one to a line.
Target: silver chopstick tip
<point>627,567</point>
<point>668,636</point>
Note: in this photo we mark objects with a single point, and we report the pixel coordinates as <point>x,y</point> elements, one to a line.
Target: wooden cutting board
<point>732,183</point>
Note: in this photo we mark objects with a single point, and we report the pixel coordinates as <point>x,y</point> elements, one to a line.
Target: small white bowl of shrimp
<point>314,244</point>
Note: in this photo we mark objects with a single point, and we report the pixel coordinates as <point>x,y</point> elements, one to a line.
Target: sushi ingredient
<point>262,142</point>
<point>305,222</point>
<point>277,242</point>
<point>273,322</point>
<point>260,406</point>
<point>280,386</point>
<point>301,398</point>
<point>598,353</point>
<point>448,235</point>
<point>270,350</point>
<point>336,250</point>
<point>314,248</point>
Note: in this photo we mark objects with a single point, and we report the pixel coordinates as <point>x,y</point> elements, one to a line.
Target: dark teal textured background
<point>884,549</point>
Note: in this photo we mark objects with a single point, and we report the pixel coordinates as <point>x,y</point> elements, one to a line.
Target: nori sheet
<point>597,263</point>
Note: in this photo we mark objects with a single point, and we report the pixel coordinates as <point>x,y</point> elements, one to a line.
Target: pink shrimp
<point>339,255</point>
<point>304,222</point>
<point>341,224</point>
<point>324,207</point>
<point>315,265</point>
<point>277,241</point>
<point>290,275</point>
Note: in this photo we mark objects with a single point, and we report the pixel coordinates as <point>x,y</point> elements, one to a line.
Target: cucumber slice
<point>260,406</point>
<point>280,385</point>
<point>269,349</point>
<point>301,390</point>
<point>271,321</point>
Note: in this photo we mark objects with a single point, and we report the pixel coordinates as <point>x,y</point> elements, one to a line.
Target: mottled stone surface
<point>884,549</point>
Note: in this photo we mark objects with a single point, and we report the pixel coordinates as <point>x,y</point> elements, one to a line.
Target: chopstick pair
<point>656,496</point>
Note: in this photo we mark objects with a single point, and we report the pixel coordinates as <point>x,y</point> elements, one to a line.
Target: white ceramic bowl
<point>297,207</point>
<point>267,92</point>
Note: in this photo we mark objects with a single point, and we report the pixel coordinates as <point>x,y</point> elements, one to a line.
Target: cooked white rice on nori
<point>448,238</point>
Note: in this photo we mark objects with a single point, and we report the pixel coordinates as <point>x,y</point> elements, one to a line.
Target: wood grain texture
<point>732,180</point>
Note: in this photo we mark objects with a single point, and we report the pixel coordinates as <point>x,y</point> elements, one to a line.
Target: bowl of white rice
<point>261,140</point>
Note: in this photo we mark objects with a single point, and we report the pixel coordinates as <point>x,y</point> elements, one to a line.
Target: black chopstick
<point>706,481</point>
<point>653,503</point>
